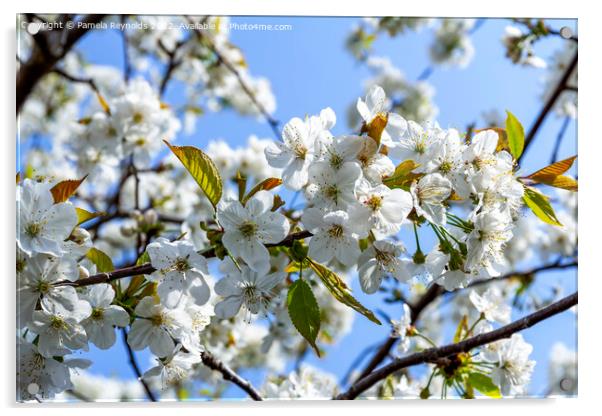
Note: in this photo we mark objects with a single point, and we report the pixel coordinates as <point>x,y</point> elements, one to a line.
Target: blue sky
<point>309,69</point>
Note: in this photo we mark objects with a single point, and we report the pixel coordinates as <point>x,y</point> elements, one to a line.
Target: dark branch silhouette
<point>431,355</point>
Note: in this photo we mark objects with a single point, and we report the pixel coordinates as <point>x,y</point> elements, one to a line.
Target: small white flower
<point>47,374</point>
<point>100,324</point>
<point>402,329</point>
<point>43,225</point>
<point>377,105</point>
<point>492,305</point>
<point>334,236</point>
<point>337,150</point>
<point>417,144</point>
<point>36,284</point>
<point>157,327</point>
<point>174,368</point>
<point>483,163</point>
<point>513,368</point>
<point>245,288</point>
<point>248,228</point>
<point>486,241</point>
<point>60,332</point>
<point>429,193</point>
<point>381,208</point>
<point>178,267</point>
<point>330,188</point>
<point>375,165</point>
<point>297,151</point>
<point>378,260</point>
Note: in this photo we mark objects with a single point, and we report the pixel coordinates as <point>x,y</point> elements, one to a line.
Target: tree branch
<point>134,365</point>
<point>49,47</point>
<point>433,354</point>
<point>229,375</point>
<point>147,268</point>
<point>562,84</point>
<point>434,292</point>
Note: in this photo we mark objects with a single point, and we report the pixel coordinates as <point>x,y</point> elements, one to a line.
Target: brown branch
<point>134,365</point>
<point>49,48</point>
<point>172,64</point>
<point>229,375</point>
<point>433,354</point>
<point>434,292</point>
<point>147,268</point>
<point>562,85</point>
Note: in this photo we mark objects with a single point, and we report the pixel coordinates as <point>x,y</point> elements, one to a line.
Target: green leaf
<point>340,290</point>
<point>540,205</point>
<point>143,259</point>
<point>516,135</point>
<point>484,384</point>
<point>202,169</point>
<point>63,190</point>
<point>304,311</point>
<point>103,263</point>
<point>83,215</point>
<point>462,327</point>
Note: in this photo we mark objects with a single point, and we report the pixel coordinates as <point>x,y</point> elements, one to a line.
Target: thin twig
<point>50,47</point>
<point>550,103</point>
<point>559,137</point>
<point>127,67</point>
<point>229,375</point>
<point>134,365</point>
<point>221,59</point>
<point>431,355</point>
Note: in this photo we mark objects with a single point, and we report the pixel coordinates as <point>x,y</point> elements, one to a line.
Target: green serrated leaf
<point>202,169</point>
<point>540,205</point>
<point>103,263</point>
<point>84,215</point>
<point>304,311</point>
<point>485,385</point>
<point>340,290</point>
<point>516,135</point>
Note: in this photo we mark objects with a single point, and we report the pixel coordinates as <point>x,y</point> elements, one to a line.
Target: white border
<point>590,161</point>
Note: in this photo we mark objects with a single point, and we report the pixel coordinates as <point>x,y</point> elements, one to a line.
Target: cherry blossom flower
<point>492,305</point>
<point>381,208</point>
<point>246,288</point>
<point>376,106</point>
<point>100,324</point>
<point>429,193</point>
<point>157,327</point>
<point>43,225</point>
<point>247,228</point>
<point>334,236</point>
<point>379,260</point>
<point>178,266</point>
<point>60,331</point>
<point>297,150</point>
<point>36,284</point>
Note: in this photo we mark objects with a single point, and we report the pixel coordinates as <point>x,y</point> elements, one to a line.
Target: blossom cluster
<point>187,254</point>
